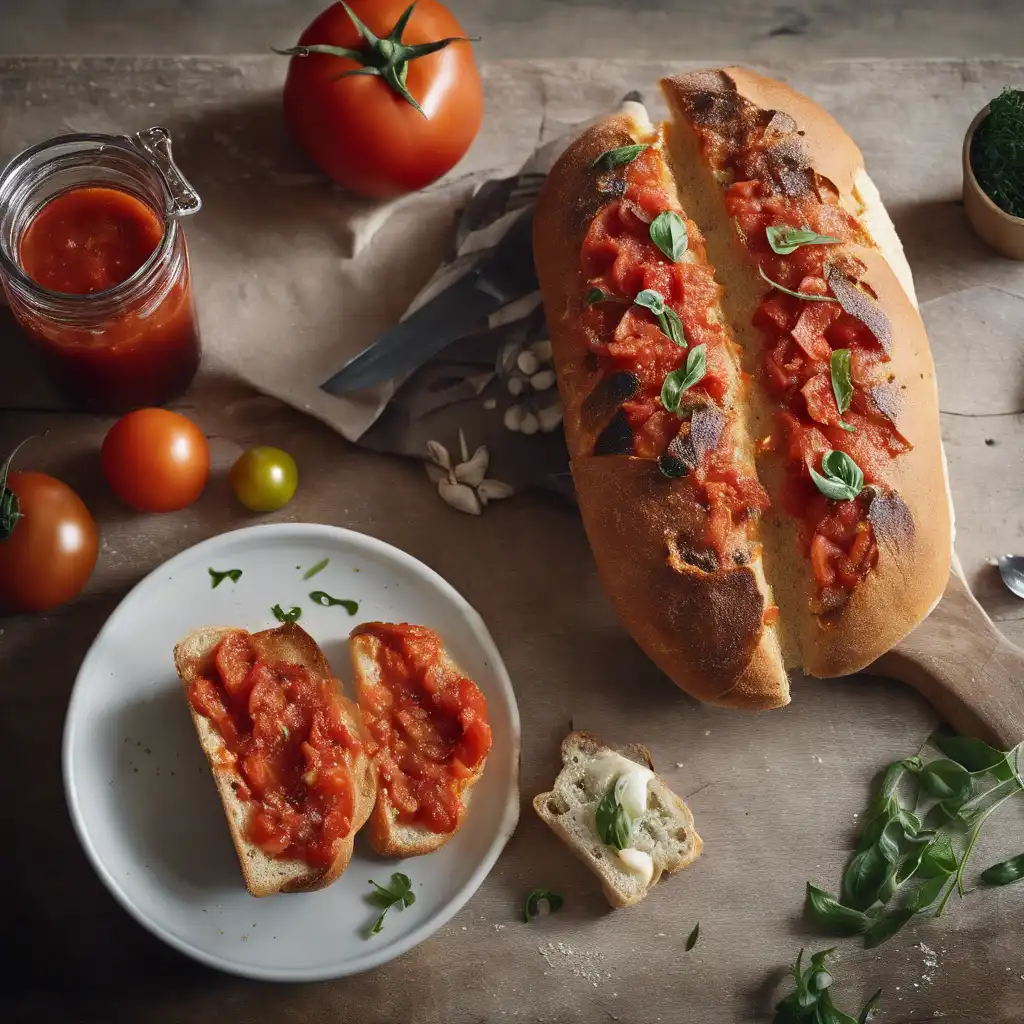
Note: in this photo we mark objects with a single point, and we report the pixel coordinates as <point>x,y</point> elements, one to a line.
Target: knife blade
<point>505,274</point>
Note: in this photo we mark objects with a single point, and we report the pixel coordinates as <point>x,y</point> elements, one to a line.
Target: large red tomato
<point>361,129</point>
<point>51,547</point>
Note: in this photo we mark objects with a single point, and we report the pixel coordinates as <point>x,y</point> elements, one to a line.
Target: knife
<point>507,273</point>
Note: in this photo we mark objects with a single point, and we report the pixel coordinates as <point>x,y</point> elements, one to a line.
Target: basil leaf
<point>888,841</point>
<point>672,467</point>
<point>326,601</point>
<point>827,911</point>
<point>319,567</point>
<point>843,479</point>
<point>619,156</point>
<point>886,927</point>
<point>842,384</point>
<point>947,781</point>
<point>673,326</point>
<point>1005,872</point>
<point>669,234</point>
<point>938,859</point>
<point>864,877</point>
<point>531,908</point>
<point>652,300</point>
<point>292,615</point>
<point>786,240</point>
<point>596,295</point>
<point>796,295</point>
<point>400,894</point>
<point>217,578</point>
<point>613,824</point>
<point>928,893</point>
<point>974,755</point>
<point>691,939</point>
<point>684,378</point>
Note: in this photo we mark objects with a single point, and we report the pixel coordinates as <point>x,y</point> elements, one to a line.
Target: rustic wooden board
<point>775,795</point>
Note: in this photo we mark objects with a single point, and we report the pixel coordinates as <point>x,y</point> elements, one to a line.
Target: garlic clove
<point>473,470</point>
<point>516,385</point>
<point>514,416</point>
<point>439,455</point>
<point>542,380</point>
<point>463,447</point>
<point>460,497</point>
<point>542,350</point>
<point>530,424</point>
<point>550,418</point>
<point>494,490</point>
<point>528,363</point>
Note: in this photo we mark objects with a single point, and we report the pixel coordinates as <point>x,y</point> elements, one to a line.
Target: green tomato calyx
<point>386,57</point>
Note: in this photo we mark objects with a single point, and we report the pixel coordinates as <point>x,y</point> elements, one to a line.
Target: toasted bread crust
<point>705,630</point>
<point>912,570</point>
<point>288,644</point>
<point>388,836</point>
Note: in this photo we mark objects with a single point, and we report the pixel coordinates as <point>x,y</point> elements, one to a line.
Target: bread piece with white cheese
<point>608,793</point>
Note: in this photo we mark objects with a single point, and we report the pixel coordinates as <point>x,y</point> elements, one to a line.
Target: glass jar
<point>131,344</point>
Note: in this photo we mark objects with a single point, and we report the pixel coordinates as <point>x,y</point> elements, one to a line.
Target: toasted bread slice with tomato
<point>390,836</point>
<point>264,874</point>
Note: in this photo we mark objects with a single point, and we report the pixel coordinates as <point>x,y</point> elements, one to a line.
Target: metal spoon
<point>1011,568</point>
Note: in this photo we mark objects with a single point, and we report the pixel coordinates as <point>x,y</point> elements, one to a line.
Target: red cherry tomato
<point>357,128</point>
<point>156,460</point>
<point>52,547</point>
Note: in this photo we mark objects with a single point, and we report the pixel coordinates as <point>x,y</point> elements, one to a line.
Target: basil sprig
<point>684,378</point>
<point>811,1001</point>
<point>668,318</point>
<point>796,295</point>
<point>325,600</point>
<point>917,838</point>
<point>619,156</point>
<point>292,615</point>
<point>217,578</point>
<point>614,826</point>
<point>596,295</point>
<point>842,479</point>
<point>399,895</point>
<point>531,908</point>
<point>842,382</point>
<point>786,240</point>
<point>669,234</point>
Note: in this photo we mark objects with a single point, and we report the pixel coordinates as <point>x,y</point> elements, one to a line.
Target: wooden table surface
<point>775,795</point>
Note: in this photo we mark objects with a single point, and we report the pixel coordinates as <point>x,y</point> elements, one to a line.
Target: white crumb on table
<point>679,764</point>
<point>583,963</point>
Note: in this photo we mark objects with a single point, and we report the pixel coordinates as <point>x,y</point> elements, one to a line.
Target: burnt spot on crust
<point>607,397</point>
<point>616,438</point>
<point>706,561</point>
<point>702,437</point>
<point>891,519</point>
<point>856,300</point>
<point>611,186</point>
<point>887,398</point>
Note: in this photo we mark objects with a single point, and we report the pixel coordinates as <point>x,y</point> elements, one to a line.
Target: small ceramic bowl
<point>1001,230</point>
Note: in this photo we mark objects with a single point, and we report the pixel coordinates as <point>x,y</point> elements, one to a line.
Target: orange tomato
<point>156,460</point>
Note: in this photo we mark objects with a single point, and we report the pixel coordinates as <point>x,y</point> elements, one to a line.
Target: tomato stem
<point>387,58</point>
<point>10,507</point>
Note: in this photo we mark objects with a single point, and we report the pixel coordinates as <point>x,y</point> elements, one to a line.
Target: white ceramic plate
<point>142,799</point>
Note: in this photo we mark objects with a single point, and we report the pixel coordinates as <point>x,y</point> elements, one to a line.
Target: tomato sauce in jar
<point>96,269</point>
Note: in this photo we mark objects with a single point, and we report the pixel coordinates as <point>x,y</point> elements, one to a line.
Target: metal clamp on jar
<point>95,267</point>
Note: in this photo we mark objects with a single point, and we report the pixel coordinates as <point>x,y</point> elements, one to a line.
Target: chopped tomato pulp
<point>619,258</point>
<point>427,723</point>
<point>799,339</point>
<point>284,732</point>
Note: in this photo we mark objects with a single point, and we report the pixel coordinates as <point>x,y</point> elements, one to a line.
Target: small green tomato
<point>264,479</point>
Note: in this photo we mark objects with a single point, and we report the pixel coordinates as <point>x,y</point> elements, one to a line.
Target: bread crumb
<point>585,964</point>
<point>490,403</point>
<point>707,732</point>
<point>679,764</point>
